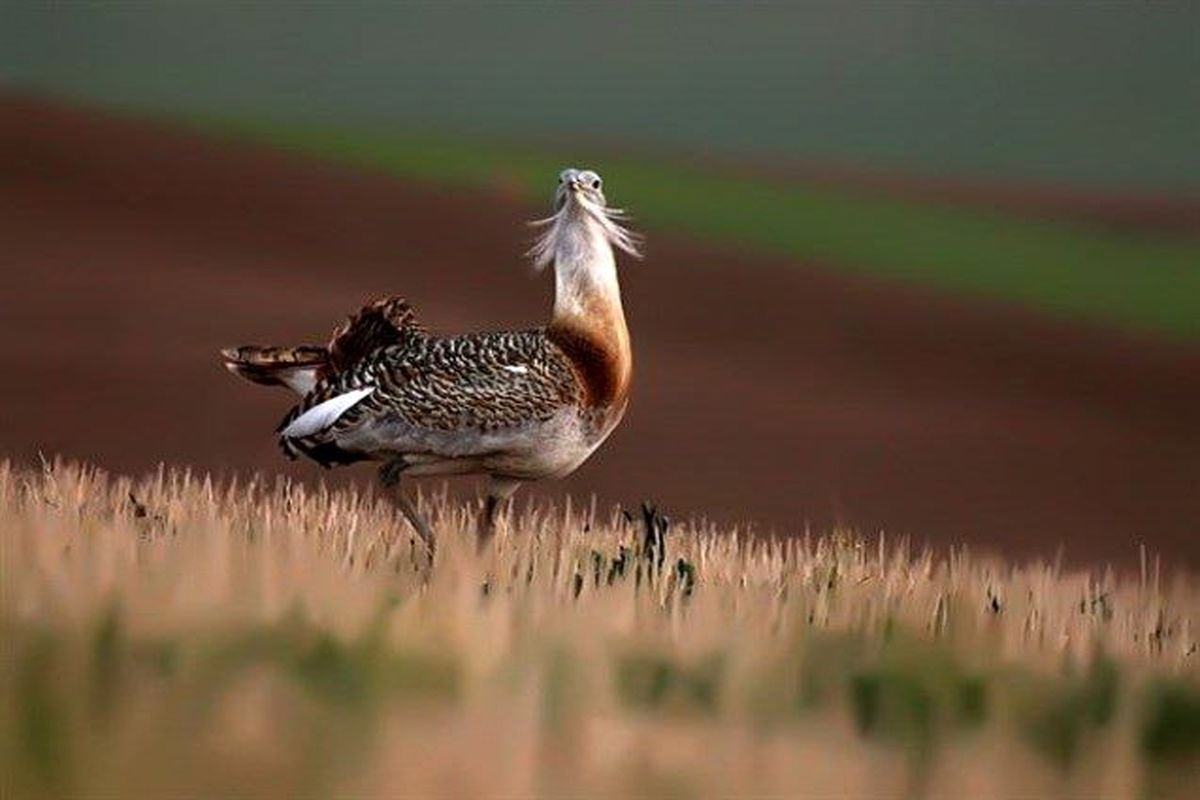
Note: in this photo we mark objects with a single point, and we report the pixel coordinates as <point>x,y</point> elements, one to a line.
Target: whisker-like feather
<point>609,219</point>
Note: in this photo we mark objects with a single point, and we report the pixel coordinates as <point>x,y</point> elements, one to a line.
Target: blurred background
<point>931,270</point>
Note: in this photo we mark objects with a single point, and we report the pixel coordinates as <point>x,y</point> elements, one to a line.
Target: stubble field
<point>170,637</point>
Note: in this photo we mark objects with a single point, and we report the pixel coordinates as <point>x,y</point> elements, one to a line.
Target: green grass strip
<point>1142,282</point>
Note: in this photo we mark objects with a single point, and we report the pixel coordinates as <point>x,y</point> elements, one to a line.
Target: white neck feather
<point>579,241</point>
<point>585,271</point>
<point>589,322</point>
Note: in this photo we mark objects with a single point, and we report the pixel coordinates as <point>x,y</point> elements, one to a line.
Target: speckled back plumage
<point>477,382</point>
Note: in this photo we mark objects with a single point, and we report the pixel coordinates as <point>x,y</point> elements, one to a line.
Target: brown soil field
<point>771,393</point>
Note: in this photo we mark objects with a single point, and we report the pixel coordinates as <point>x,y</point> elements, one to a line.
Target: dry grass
<point>173,638</point>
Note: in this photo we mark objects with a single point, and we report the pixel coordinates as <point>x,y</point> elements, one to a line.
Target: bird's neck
<point>589,320</point>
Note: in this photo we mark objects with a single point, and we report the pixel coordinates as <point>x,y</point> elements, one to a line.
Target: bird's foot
<point>486,529</point>
<point>499,492</point>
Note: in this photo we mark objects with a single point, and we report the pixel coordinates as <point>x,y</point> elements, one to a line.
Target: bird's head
<point>583,186</point>
<point>580,205</point>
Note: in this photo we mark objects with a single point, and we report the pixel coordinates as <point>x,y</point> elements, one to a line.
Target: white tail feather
<point>300,380</point>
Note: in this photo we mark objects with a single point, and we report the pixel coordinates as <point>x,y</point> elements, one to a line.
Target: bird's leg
<point>390,472</point>
<point>389,477</point>
<point>409,509</point>
<point>499,490</point>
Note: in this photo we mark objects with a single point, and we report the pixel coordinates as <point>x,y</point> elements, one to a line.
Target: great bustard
<point>516,406</point>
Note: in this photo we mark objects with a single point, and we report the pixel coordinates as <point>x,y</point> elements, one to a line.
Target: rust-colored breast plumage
<point>601,364</point>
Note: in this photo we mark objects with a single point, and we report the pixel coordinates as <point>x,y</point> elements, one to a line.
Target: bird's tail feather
<point>297,368</point>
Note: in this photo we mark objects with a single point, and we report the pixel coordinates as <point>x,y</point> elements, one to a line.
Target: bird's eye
<point>596,183</point>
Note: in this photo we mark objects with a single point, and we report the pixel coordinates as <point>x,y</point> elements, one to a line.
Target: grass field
<point>1144,282</point>
<point>169,637</point>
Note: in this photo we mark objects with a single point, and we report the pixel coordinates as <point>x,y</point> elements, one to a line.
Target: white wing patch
<point>517,369</point>
<point>322,415</point>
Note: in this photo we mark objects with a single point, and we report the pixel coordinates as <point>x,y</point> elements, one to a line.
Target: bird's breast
<point>602,360</point>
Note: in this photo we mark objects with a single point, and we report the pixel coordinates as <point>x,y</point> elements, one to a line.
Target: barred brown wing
<point>381,323</point>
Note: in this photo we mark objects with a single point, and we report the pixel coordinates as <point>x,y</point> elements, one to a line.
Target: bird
<point>515,406</point>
